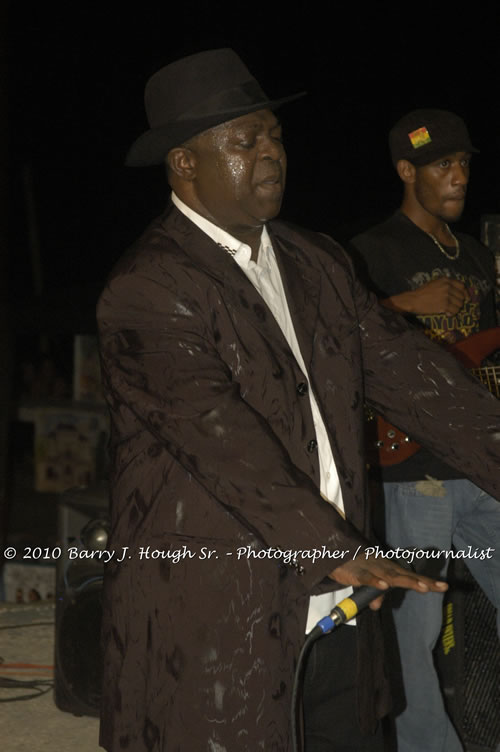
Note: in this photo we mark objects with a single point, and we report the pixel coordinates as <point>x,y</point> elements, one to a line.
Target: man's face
<point>240,172</point>
<point>440,187</point>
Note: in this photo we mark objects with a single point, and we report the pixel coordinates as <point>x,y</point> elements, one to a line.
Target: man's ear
<point>406,171</point>
<point>181,161</point>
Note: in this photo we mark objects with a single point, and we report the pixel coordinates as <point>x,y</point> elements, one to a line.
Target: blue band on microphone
<point>326,624</point>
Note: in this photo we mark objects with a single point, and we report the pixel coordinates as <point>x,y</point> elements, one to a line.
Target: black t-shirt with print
<point>397,256</point>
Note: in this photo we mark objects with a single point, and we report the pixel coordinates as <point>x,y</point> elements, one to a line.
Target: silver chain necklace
<point>445,252</point>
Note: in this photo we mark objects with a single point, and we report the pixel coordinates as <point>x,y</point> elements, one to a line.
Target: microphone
<point>348,608</point>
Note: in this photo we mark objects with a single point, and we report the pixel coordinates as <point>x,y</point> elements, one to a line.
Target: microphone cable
<point>343,612</point>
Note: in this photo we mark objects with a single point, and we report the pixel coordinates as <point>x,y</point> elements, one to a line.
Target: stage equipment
<point>468,659</point>
<point>83,527</point>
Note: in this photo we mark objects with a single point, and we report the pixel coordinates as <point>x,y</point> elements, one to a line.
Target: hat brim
<point>153,146</point>
<point>431,155</point>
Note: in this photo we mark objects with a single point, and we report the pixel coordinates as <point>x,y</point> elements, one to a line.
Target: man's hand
<point>383,574</point>
<point>441,295</point>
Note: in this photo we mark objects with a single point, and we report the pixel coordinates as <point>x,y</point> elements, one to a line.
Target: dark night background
<point>73,77</point>
<point>76,80</point>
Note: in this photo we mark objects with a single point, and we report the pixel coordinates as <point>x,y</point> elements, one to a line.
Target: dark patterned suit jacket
<point>211,452</point>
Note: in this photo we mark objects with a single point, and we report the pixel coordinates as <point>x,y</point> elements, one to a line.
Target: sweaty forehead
<point>259,120</point>
<point>215,138</point>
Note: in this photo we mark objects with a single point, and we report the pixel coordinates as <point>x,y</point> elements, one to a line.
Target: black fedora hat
<point>194,94</point>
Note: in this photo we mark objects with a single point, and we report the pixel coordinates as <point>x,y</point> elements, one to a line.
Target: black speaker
<point>83,529</point>
<point>468,660</point>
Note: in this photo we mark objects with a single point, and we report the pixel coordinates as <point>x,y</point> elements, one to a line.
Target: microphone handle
<point>349,607</point>
<point>359,600</point>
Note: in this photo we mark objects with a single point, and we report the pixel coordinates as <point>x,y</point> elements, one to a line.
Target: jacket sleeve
<point>159,360</point>
<point>423,390</point>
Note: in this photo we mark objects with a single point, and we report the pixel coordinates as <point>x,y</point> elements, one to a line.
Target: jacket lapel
<point>301,283</point>
<point>302,289</point>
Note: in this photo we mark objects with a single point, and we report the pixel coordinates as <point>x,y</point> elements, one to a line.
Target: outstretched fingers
<point>383,574</point>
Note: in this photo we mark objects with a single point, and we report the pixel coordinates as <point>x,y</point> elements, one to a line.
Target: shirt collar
<point>241,252</point>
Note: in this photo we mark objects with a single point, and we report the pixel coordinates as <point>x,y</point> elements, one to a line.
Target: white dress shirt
<point>266,278</point>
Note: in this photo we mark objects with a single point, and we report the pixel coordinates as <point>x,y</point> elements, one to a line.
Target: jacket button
<point>312,445</point>
<point>302,388</point>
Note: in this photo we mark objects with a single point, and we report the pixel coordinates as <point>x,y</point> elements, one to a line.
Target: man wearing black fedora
<point>237,352</point>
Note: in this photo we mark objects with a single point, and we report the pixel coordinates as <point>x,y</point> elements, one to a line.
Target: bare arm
<point>441,295</point>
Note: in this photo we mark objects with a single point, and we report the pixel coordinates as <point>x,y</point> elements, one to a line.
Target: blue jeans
<point>434,515</point>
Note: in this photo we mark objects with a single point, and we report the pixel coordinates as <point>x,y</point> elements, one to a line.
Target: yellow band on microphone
<point>349,608</point>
